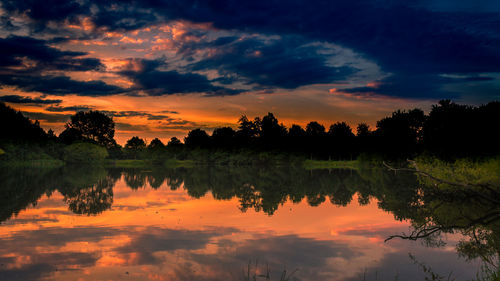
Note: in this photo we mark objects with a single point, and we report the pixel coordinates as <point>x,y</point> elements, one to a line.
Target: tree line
<point>450,130</point>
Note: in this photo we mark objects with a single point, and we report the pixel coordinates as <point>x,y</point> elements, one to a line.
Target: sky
<point>161,68</point>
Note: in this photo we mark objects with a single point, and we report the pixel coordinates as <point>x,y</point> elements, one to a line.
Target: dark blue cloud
<point>419,38</point>
<point>21,99</point>
<point>283,63</point>
<point>154,81</point>
<point>397,36</point>
<point>15,49</point>
<point>59,85</point>
<point>24,60</point>
<point>46,10</point>
<point>417,86</point>
<point>403,40</point>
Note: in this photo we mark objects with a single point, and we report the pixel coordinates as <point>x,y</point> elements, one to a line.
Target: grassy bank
<point>462,171</point>
<point>330,164</point>
<point>174,163</point>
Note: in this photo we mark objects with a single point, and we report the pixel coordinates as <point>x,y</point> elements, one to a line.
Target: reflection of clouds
<point>35,254</point>
<point>26,241</point>
<point>308,255</point>
<point>398,264</point>
<point>380,232</point>
<point>41,265</point>
<point>18,221</point>
<point>29,272</point>
<point>153,240</point>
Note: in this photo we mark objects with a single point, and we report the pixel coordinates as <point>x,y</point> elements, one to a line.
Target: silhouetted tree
<point>314,129</point>
<point>400,134</point>
<point>316,139</point>
<point>452,129</point>
<point>364,138</point>
<point>223,138</point>
<point>156,144</point>
<point>71,135</point>
<point>342,140</point>
<point>175,148</point>
<point>363,130</point>
<point>174,142</point>
<point>296,138</point>
<point>197,139</point>
<point>16,127</point>
<point>271,132</point>
<point>94,126</point>
<point>248,131</point>
<point>135,146</point>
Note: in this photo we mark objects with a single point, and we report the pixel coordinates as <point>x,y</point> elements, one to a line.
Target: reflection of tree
<point>88,190</point>
<point>23,187</point>
<point>91,200</point>
<point>259,188</point>
<point>135,178</point>
<point>446,206</point>
<point>432,208</point>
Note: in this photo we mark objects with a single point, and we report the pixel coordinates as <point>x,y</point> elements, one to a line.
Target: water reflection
<point>211,240</point>
<point>89,189</point>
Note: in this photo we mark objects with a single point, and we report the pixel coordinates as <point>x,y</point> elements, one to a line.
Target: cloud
<point>155,82</point>
<point>35,55</point>
<point>286,62</point>
<point>410,86</point>
<point>43,12</point>
<point>417,86</point>
<point>59,85</point>
<point>25,62</point>
<point>74,108</point>
<point>21,99</point>
<point>131,127</point>
<point>48,117</point>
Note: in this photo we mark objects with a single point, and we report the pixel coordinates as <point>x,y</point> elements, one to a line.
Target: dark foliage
<point>15,127</point>
<point>93,126</point>
<point>449,131</point>
<point>135,147</point>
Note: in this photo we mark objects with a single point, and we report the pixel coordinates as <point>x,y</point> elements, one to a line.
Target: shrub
<point>84,153</point>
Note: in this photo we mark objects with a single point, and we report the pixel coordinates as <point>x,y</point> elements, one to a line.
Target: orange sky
<point>196,111</point>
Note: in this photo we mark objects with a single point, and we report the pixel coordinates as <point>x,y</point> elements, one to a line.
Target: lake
<point>229,223</point>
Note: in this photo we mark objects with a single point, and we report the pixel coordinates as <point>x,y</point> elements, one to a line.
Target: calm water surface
<point>209,223</point>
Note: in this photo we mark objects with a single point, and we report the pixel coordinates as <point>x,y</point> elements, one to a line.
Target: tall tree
<point>94,126</point>
<point>223,137</point>
<point>135,146</point>
<point>401,133</point>
<point>156,144</point>
<point>271,132</point>
<point>197,138</point>
<point>342,140</point>
<point>16,127</point>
